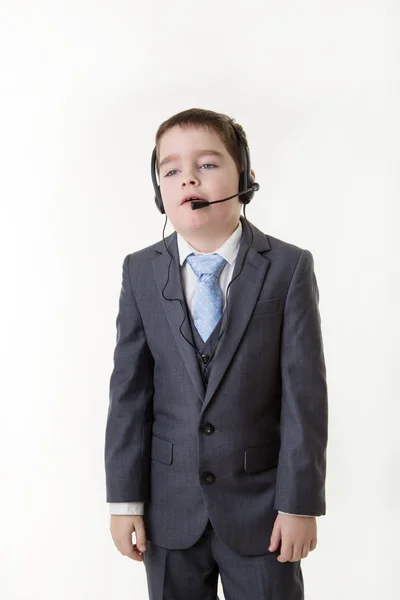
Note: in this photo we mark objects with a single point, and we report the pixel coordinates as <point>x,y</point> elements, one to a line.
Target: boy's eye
<point>169,174</point>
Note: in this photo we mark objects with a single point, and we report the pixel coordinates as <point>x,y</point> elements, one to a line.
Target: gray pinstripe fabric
<point>266,398</point>
<point>192,574</point>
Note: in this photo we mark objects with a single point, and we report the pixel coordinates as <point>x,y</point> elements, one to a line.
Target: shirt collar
<point>228,250</point>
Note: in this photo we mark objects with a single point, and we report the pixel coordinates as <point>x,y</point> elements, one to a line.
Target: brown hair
<point>219,122</point>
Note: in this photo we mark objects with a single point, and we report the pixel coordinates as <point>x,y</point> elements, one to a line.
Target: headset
<point>248,186</point>
<point>246,180</point>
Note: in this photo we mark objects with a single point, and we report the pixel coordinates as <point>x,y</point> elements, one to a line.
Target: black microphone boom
<point>203,203</point>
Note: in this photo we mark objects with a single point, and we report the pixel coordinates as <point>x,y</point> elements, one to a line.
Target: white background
<point>84,85</point>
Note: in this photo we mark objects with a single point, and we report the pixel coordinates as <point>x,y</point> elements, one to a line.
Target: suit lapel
<point>173,310</point>
<point>243,295</point>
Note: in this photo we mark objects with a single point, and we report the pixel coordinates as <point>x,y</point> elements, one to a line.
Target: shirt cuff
<point>126,508</point>
<point>293,515</point>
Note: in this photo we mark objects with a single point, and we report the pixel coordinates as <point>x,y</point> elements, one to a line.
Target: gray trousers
<point>192,573</point>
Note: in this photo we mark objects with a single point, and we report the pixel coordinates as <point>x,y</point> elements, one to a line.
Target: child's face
<point>196,171</point>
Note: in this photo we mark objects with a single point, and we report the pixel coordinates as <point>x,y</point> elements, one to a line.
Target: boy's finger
<point>140,536</point>
<point>296,554</point>
<point>275,538</point>
<point>136,554</point>
<point>274,543</point>
<point>126,548</point>
<point>286,553</point>
<point>313,544</point>
<point>305,550</point>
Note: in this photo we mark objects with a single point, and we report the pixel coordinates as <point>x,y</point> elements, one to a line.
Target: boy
<point>217,426</point>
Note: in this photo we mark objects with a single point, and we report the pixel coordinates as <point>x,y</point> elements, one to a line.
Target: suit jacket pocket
<point>161,450</point>
<point>261,458</point>
<point>270,305</point>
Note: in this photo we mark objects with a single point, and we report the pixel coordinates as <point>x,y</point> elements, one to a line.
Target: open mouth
<point>193,199</point>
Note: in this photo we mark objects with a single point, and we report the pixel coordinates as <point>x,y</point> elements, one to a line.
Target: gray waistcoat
<point>204,348</point>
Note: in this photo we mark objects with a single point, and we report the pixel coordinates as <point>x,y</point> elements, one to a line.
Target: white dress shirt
<point>228,250</point>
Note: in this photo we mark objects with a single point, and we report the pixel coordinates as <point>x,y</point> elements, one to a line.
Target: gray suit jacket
<point>266,400</point>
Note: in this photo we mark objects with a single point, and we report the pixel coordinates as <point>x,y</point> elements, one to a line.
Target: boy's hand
<point>122,527</point>
<point>298,537</point>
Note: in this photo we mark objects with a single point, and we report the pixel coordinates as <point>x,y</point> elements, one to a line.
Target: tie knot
<point>206,264</point>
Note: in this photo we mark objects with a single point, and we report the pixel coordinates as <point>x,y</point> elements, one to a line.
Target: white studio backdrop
<point>84,85</point>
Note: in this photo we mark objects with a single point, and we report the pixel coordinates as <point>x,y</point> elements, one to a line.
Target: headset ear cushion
<point>245,198</point>
<point>242,197</point>
<point>158,201</point>
<point>251,181</point>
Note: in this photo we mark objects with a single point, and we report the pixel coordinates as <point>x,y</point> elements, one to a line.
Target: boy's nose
<point>189,182</point>
<point>189,179</point>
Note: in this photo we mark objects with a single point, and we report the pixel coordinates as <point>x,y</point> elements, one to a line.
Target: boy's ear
<point>253,173</point>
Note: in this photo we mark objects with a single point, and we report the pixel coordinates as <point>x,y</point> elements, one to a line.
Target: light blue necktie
<point>208,298</point>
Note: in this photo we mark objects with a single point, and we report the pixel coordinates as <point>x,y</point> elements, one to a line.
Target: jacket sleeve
<point>300,483</point>
<point>129,419</point>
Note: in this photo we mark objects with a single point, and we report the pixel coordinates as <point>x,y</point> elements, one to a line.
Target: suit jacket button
<point>205,358</point>
<point>208,478</point>
<point>207,428</point>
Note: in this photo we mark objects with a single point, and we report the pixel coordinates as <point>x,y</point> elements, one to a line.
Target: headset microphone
<point>203,203</point>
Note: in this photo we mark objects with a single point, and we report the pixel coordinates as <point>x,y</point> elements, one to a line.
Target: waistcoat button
<point>208,477</point>
<point>205,358</point>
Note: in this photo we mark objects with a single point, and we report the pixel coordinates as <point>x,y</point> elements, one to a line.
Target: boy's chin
<point>196,223</point>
